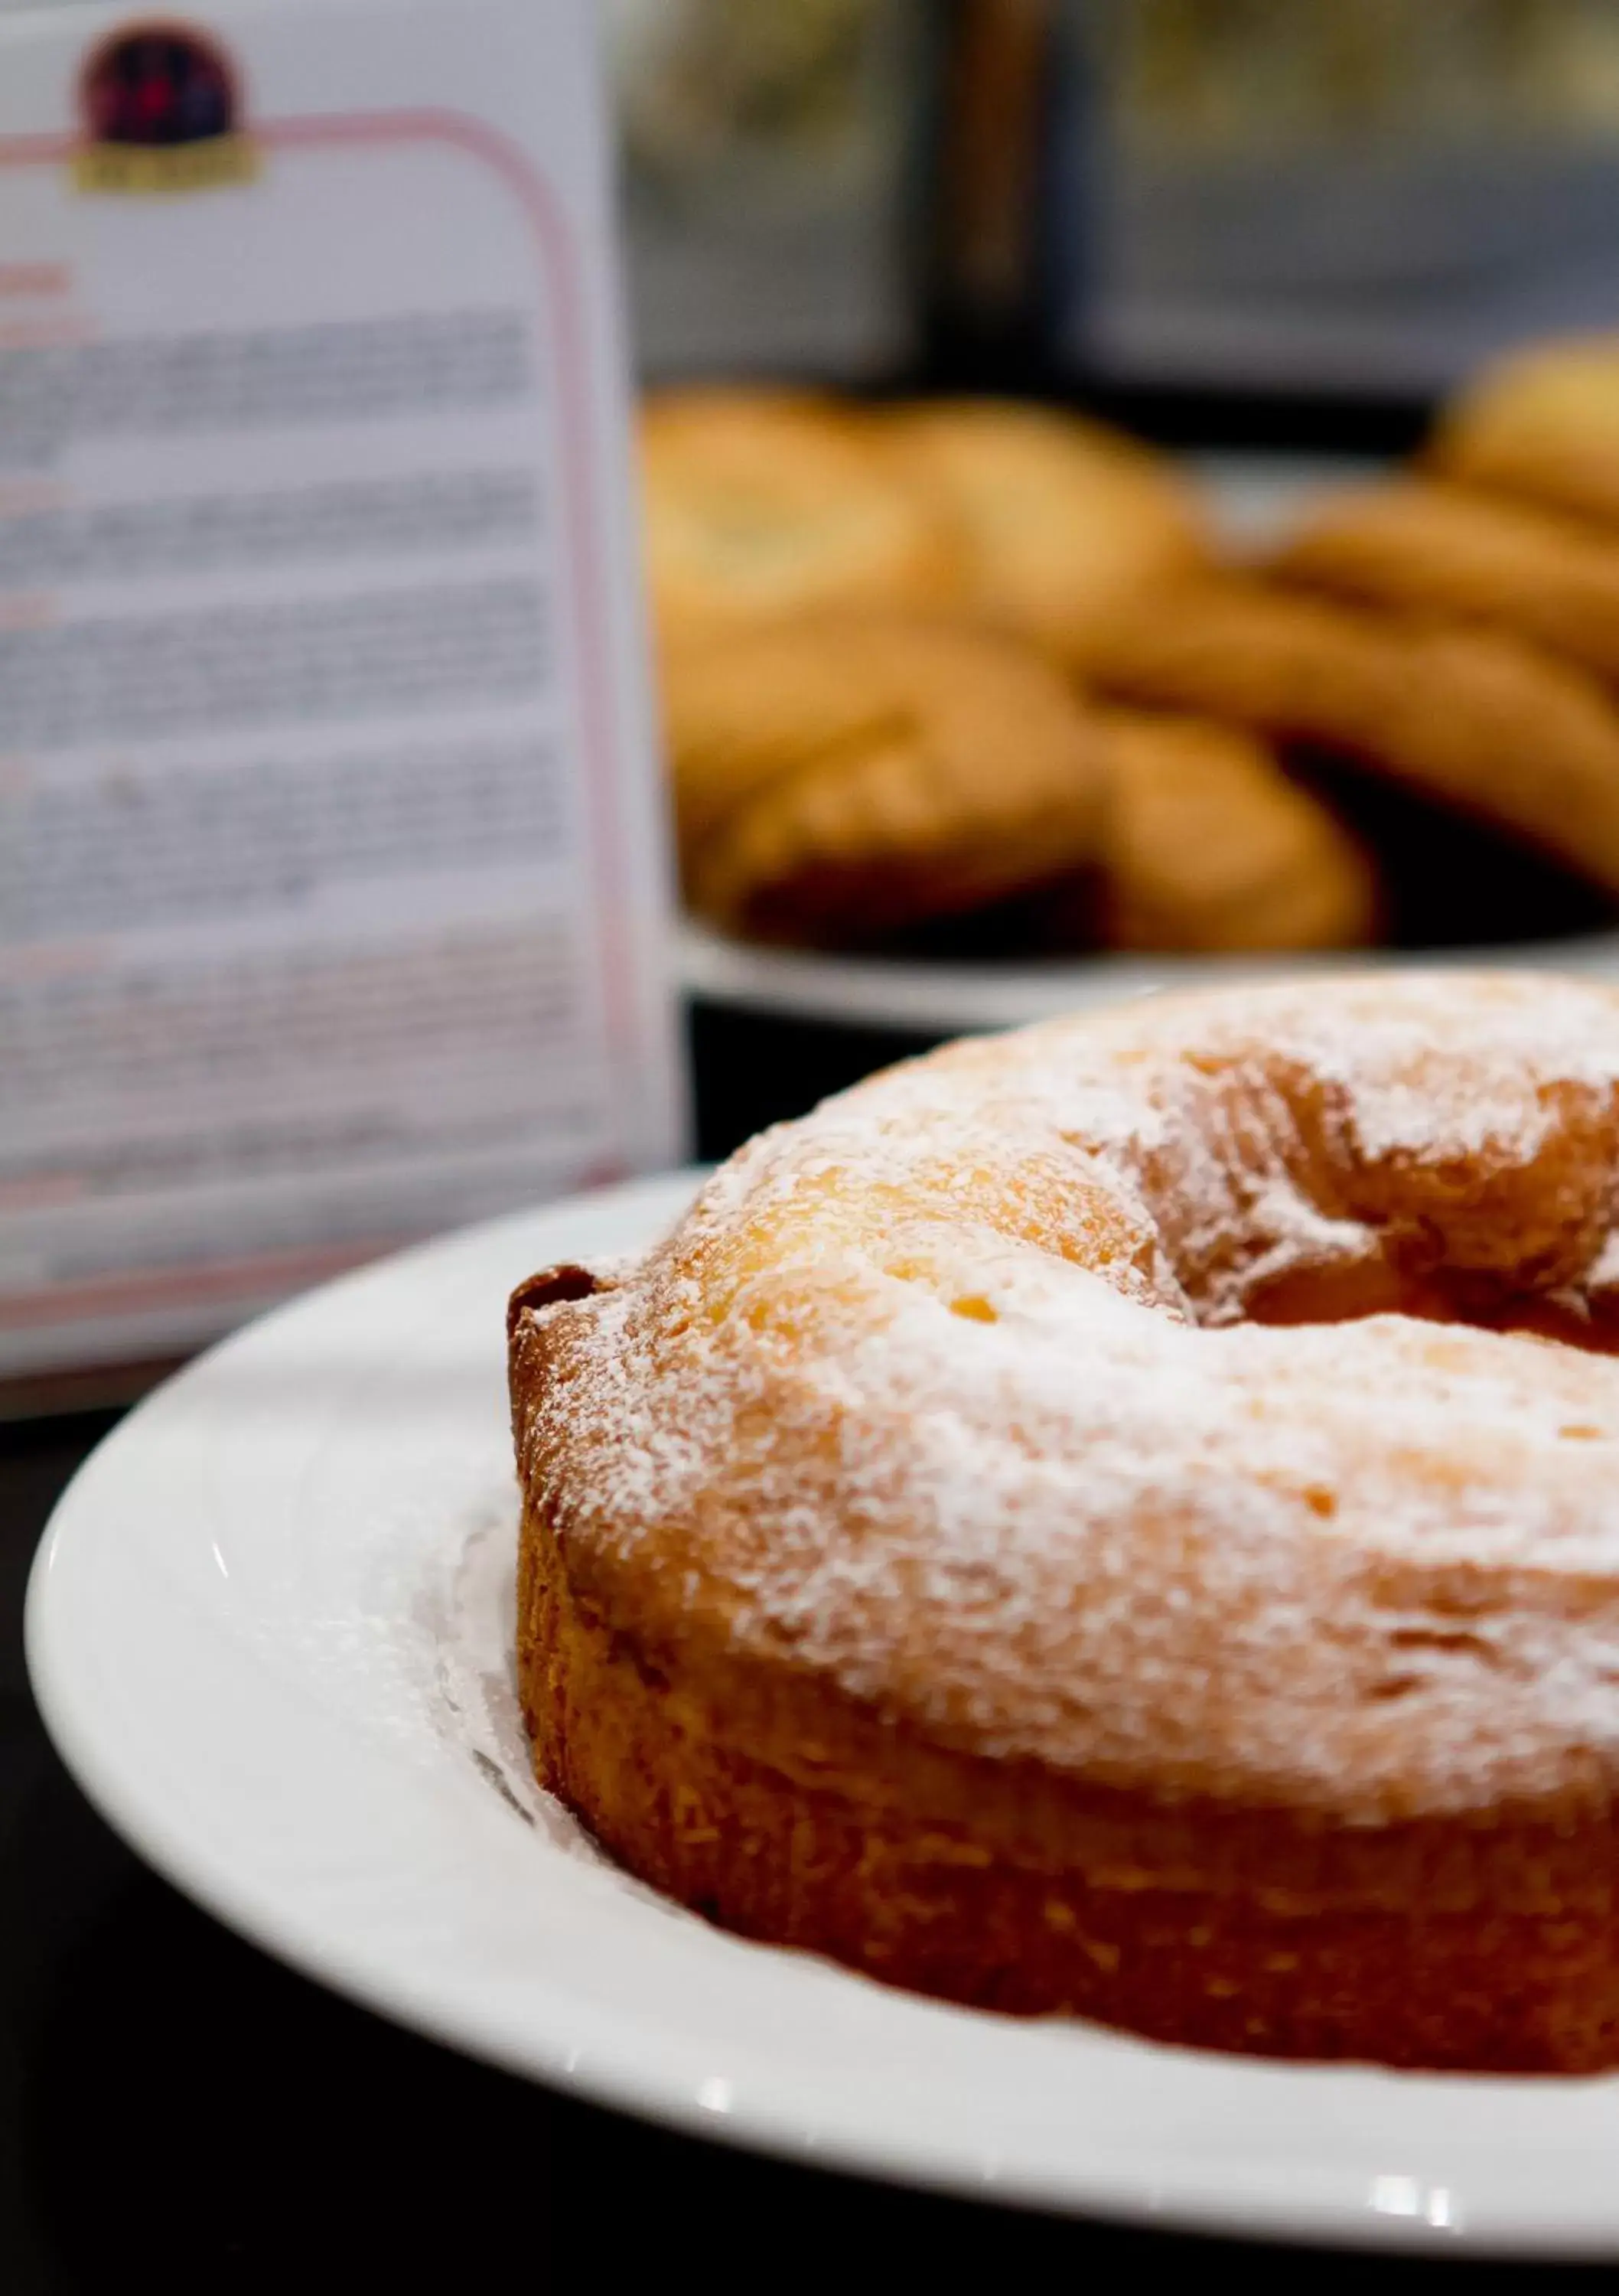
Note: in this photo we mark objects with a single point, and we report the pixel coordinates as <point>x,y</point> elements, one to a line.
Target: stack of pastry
<point>933,664</point>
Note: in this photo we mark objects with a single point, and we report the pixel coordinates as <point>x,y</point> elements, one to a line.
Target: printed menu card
<point>333,881</point>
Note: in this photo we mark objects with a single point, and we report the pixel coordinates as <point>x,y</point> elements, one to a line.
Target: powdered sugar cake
<point>1121,1518</point>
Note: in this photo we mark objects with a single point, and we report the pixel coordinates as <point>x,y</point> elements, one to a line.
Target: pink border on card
<point>581,512</point>
<point>557,254</point>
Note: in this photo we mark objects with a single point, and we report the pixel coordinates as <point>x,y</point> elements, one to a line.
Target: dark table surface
<point>174,2107</point>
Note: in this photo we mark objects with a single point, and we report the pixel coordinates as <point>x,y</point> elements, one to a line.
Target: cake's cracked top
<point>1000,1398</point>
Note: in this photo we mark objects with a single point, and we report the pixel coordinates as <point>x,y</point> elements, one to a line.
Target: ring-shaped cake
<point>1121,1519</point>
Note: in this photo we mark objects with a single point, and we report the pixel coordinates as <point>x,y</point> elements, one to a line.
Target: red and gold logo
<point>160,105</point>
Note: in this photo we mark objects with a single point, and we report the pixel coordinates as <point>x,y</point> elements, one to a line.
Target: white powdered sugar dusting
<point>954,1387</point>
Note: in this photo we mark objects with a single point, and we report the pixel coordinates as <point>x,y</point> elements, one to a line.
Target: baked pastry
<point>1207,845</point>
<point>933,1554</point>
<point>933,1557</point>
<point>1060,519</point>
<point>1472,718</point>
<point>1426,547</point>
<point>1544,423</point>
<point>840,778</point>
<point>759,505</point>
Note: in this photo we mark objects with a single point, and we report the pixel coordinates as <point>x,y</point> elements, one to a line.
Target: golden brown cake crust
<point>839,1841</point>
<point>934,1555</point>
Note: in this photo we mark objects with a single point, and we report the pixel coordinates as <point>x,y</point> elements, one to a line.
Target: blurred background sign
<point>332,877</point>
<point>764,157</point>
<point>1282,195</point>
<point>1370,193</point>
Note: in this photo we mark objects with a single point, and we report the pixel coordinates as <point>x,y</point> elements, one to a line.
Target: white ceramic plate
<point>948,1000</point>
<point>1253,497</point>
<point>270,1631</point>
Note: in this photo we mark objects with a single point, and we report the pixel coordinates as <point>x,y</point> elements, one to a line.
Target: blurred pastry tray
<point>932,999</point>
<point>1254,496</point>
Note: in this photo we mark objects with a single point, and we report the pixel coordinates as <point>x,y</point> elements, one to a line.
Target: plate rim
<point>612,2065</point>
<point>933,997</point>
